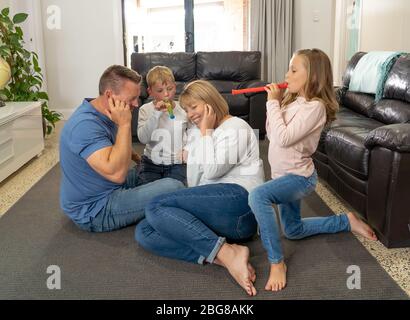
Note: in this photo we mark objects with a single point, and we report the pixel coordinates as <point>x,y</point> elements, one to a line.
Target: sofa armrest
<point>252,84</point>
<point>395,137</point>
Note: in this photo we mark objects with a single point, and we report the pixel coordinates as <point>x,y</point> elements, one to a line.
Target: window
<point>164,25</point>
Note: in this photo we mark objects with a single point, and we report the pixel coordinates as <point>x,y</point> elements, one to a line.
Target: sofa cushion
<point>348,118</point>
<point>230,65</point>
<point>395,105</point>
<point>238,104</point>
<point>182,64</point>
<point>362,103</point>
<point>345,146</point>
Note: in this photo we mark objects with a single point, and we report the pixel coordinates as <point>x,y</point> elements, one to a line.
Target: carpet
<point>34,234</point>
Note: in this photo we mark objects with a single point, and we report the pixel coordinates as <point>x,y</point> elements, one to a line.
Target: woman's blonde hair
<point>204,91</point>
<point>159,73</point>
<point>319,84</point>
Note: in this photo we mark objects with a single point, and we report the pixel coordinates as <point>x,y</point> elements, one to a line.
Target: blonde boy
<point>164,137</point>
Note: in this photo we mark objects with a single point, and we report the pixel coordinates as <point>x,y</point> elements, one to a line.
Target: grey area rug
<point>35,234</point>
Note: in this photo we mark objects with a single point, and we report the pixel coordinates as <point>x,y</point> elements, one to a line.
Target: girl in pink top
<point>294,124</point>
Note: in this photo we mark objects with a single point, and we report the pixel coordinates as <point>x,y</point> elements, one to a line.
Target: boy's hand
<point>119,112</point>
<point>274,93</point>
<point>135,157</point>
<point>161,105</point>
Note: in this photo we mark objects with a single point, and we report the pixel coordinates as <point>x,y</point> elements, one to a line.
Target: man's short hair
<point>114,76</point>
<point>160,73</point>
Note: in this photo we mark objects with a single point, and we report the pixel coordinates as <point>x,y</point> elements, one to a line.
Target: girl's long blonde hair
<point>319,85</point>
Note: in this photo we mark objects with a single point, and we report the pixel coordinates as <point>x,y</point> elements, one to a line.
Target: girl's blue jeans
<point>192,224</point>
<point>286,192</point>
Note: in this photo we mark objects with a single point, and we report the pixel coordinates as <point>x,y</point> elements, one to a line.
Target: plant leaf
<point>5,11</point>
<point>20,17</point>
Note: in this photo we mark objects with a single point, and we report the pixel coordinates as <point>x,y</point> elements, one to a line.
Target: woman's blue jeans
<point>192,224</point>
<point>125,206</point>
<point>286,192</point>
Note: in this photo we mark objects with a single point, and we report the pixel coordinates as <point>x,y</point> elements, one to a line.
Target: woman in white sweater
<point>223,167</point>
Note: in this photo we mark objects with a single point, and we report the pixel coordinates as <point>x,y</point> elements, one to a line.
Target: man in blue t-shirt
<point>98,190</point>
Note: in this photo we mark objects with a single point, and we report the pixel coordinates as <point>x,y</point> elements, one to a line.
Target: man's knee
<point>292,233</point>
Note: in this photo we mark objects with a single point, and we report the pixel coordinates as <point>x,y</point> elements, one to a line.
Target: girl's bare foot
<point>277,277</point>
<point>359,227</point>
<point>235,258</point>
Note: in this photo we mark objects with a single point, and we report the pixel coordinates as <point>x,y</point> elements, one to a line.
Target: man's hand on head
<point>119,112</point>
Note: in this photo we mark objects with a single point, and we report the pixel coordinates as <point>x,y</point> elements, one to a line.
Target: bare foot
<point>359,227</point>
<point>277,277</point>
<point>235,258</point>
<point>251,272</point>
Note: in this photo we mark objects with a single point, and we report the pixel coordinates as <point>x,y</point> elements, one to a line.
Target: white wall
<point>385,25</point>
<point>90,40</point>
<point>4,4</point>
<point>309,33</point>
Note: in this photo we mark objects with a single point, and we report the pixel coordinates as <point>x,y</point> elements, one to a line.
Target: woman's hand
<point>274,93</point>
<point>208,121</point>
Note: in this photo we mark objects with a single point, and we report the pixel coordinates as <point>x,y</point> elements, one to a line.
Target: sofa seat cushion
<point>347,118</point>
<point>345,147</point>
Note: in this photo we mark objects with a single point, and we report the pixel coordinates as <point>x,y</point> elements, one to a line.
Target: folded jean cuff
<point>276,261</point>
<point>215,250</point>
<point>345,222</point>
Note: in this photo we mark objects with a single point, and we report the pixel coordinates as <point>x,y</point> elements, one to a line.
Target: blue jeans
<point>149,171</point>
<point>193,224</point>
<point>126,205</point>
<point>286,192</point>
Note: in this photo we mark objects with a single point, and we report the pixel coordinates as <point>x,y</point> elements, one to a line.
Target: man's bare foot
<point>277,277</point>
<point>359,227</point>
<point>235,258</point>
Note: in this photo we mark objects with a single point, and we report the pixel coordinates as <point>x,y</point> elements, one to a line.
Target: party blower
<point>283,85</point>
<point>169,109</point>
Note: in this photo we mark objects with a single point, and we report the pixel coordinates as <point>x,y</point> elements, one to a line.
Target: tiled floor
<point>395,261</point>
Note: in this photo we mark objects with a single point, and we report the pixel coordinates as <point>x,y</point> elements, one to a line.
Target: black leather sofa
<point>365,154</point>
<point>225,70</point>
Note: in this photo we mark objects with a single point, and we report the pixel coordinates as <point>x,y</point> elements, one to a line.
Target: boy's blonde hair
<point>319,84</point>
<point>159,73</point>
<point>204,91</point>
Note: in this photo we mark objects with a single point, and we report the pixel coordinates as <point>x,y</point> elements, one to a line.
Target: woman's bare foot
<point>235,258</point>
<point>277,277</point>
<point>252,273</point>
<point>359,227</point>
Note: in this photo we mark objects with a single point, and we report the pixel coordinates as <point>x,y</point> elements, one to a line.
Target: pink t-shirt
<point>294,134</point>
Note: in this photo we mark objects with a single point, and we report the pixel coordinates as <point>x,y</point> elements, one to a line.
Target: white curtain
<point>271,34</point>
<point>32,30</point>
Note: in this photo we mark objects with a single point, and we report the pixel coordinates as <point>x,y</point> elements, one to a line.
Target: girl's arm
<point>308,118</point>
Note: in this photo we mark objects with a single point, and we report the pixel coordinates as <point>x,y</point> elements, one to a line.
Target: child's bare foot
<point>359,227</point>
<point>277,277</point>
<point>235,258</point>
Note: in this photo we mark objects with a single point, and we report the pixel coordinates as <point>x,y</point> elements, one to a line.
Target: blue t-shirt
<point>84,192</point>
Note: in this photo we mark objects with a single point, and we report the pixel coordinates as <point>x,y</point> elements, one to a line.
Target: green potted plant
<point>26,76</point>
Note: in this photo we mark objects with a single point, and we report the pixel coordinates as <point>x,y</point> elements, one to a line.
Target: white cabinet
<point>21,135</point>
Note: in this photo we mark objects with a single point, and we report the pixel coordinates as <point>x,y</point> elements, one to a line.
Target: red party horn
<point>283,85</point>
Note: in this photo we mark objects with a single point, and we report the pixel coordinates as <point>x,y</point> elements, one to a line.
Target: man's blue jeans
<point>149,171</point>
<point>126,205</point>
<point>286,192</point>
<point>192,224</point>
